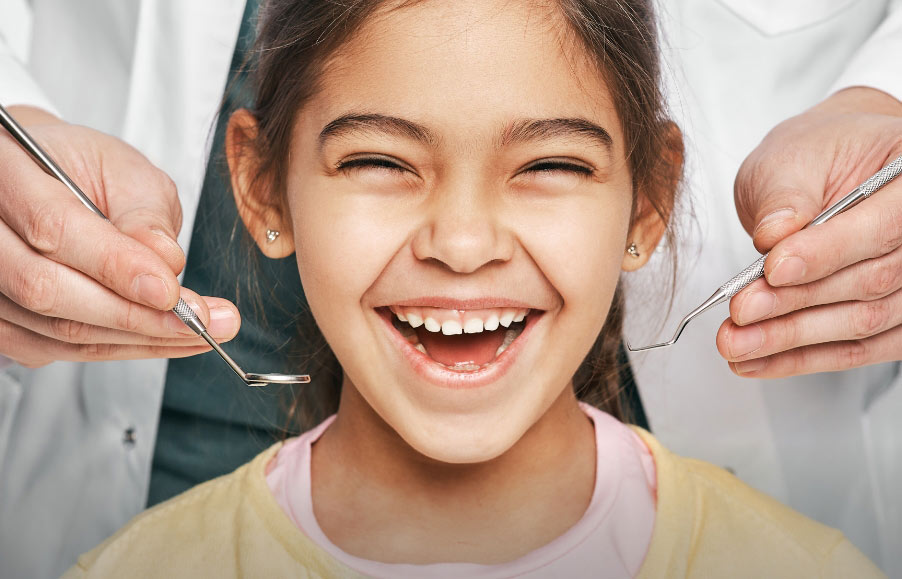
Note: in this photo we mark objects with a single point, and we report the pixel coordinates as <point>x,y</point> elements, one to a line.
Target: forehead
<point>461,66</point>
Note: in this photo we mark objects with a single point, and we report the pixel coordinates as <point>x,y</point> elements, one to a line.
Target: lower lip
<point>441,376</point>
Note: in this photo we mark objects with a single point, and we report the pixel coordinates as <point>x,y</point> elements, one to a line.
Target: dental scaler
<point>756,270</point>
<point>182,309</point>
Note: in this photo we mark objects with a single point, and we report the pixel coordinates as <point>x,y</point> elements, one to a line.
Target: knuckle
<point>854,354</point>
<point>166,185</point>
<point>97,352</point>
<point>882,279</point>
<point>108,270</point>
<point>43,230</point>
<point>869,318</point>
<point>797,362</point>
<point>129,318</point>
<point>889,229</point>
<point>791,335</point>
<point>35,287</point>
<point>71,331</point>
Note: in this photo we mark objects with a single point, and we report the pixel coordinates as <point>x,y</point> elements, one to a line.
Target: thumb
<point>776,199</point>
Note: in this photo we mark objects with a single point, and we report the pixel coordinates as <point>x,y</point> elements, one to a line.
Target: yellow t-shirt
<point>708,524</point>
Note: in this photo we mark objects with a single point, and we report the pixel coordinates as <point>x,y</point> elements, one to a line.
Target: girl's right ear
<point>258,205</point>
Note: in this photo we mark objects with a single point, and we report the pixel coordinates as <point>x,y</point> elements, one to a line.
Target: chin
<point>455,443</point>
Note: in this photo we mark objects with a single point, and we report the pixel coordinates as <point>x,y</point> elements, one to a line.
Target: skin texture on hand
<point>74,287</point>
<point>830,297</point>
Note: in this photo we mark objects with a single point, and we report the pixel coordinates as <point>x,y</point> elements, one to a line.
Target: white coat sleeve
<point>17,87</point>
<point>876,64</point>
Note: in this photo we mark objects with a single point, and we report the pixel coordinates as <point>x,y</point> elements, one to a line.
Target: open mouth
<point>460,341</point>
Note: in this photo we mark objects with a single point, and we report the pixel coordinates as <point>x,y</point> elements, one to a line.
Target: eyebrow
<point>517,132</point>
<point>525,130</point>
<point>375,123</point>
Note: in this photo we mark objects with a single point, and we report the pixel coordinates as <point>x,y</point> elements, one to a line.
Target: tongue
<point>477,348</point>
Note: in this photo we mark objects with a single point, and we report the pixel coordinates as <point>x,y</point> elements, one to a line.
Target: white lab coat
<point>153,72</point>
<point>829,445</point>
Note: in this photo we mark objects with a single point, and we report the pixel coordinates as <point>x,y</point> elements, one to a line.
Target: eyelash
<point>386,163</point>
<point>554,165</point>
<point>376,162</point>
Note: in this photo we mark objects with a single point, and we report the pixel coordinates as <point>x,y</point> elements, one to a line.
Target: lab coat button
<point>129,438</point>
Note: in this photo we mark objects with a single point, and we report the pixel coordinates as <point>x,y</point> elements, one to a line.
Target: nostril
<point>463,245</point>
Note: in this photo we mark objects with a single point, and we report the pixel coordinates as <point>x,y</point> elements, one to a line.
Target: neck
<point>531,494</point>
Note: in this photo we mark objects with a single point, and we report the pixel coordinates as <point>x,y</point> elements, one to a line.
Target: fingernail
<point>788,270</point>
<point>151,290</point>
<point>750,366</point>
<point>745,340</point>
<point>223,323</point>
<point>757,305</point>
<point>176,325</point>
<point>163,234</point>
<point>774,218</point>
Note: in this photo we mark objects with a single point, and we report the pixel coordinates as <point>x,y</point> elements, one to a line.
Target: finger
<point>866,280</point>
<point>776,195</point>
<point>221,326</point>
<point>829,357</point>
<point>143,203</point>
<point>829,323</point>
<point>145,225</point>
<point>50,219</point>
<point>33,350</point>
<point>50,289</point>
<point>871,229</point>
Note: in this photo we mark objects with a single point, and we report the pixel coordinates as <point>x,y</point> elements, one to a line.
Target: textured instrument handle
<point>184,311</point>
<point>882,177</point>
<point>744,277</point>
<point>187,315</point>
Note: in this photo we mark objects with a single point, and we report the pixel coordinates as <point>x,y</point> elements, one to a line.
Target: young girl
<point>462,183</point>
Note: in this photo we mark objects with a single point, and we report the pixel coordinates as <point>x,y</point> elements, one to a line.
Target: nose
<point>465,230</point>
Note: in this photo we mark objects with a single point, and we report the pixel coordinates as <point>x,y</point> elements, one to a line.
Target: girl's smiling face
<point>460,161</point>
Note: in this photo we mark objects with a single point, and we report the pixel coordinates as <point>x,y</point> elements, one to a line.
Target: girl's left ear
<point>260,207</point>
<point>647,230</point>
<point>649,225</point>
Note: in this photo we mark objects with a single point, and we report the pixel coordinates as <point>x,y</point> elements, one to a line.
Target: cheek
<point>342,243</point>
<point>579,248</point>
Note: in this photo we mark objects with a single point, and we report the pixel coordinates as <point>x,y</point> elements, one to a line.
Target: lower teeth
<point>509,337</point>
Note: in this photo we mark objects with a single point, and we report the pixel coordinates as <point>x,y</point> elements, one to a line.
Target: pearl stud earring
<point>271,235</point>
<point>633,250</point>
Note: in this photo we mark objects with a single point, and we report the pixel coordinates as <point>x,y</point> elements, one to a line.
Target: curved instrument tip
<point>652,347</point>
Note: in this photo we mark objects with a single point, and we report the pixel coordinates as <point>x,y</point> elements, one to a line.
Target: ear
<point>650,224</point>
<point>260,207</point>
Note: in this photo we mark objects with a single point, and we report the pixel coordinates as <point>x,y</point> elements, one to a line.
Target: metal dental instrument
<point>182,309</point>
<point>756,270</point>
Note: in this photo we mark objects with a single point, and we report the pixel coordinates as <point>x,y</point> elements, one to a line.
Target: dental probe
<point>756,270</point>
<point>182,309</point>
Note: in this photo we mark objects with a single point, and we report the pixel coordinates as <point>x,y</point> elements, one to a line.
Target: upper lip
<point>475,303</point>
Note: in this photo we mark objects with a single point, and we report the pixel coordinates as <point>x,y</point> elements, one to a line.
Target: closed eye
<point>374,161</point>
<point>558,165</point>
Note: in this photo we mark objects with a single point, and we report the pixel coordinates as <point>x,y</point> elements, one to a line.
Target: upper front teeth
<point>451,327</point>
<point>452,322</point>
<point>473,326</point>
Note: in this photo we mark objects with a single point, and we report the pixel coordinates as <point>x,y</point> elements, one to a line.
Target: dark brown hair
<point>295,40</point>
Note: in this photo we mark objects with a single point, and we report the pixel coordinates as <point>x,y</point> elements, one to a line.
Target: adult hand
<point>830,297</point>
<point>75,287</point>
